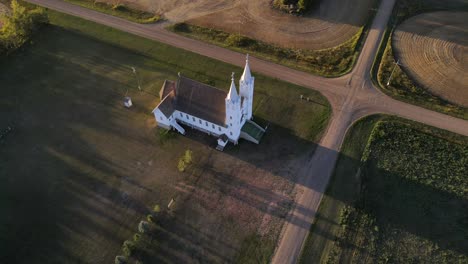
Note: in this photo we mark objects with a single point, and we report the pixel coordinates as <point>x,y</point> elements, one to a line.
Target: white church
<point>226,115</point>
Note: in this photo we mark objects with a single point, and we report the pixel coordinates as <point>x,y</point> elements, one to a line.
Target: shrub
<point>157,208</point>
<point>185,160</point>
<point>136,237</point>
<point>235,40</point>
<point>120,260</point>
<point>143,227</point>
<point>150,218</point>
<point>128,247</point>
<point>181,27</point>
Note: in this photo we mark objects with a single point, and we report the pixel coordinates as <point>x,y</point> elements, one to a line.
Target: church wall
<point>161,119</point>
<point>203,125</point>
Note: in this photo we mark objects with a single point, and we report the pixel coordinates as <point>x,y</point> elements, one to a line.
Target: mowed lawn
<point>398,195</point>
<point>79,171</point>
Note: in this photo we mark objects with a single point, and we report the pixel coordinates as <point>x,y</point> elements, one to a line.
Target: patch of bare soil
<point>433,50</point>
<point>332,23</point>
<point>227,196</point>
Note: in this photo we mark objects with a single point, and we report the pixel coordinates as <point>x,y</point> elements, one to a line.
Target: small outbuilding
<point>127,102</point>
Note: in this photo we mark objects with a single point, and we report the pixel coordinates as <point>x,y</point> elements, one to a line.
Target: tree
<point>20,25</point>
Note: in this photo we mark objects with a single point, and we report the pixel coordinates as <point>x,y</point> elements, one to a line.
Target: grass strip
<point>331,62</point>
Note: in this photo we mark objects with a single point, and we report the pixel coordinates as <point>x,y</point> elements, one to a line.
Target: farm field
<point>428,39</point>
<point>433,47</point>
<point>324,41</point>
<point>397,195</point>
<point>332,23</point>
<point>79,171</point>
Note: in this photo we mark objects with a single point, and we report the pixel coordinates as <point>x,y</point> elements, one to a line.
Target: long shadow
<point>57,185</point>
<point>414,212</point>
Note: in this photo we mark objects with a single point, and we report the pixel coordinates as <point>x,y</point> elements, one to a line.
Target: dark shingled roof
<point>193,98</point>
<point>167,105</point>
<point>167,87</point>
<point>201,100</point>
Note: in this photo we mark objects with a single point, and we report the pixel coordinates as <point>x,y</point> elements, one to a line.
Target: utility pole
<point>391,74</point>
<point>136,76</point>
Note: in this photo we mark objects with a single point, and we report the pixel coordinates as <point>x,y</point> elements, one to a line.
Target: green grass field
<point>79,171</point>
<point>397,196</point>
<point>401,86</point>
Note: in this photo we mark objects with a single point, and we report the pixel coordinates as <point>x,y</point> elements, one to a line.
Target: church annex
<point>226,115</point>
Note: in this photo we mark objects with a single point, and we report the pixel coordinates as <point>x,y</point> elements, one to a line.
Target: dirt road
<point>352,97</point>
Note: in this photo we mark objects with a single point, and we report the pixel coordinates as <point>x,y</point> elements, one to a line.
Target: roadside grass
<point>343,189</point>
<point>119,10</point>
<point>331,62</point>
<point>79,171</point>
<point>401,86</point>
<point>397,195</point>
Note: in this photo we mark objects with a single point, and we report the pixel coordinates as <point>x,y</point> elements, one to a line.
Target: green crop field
<point>78,171</point>
<point>398,198</point>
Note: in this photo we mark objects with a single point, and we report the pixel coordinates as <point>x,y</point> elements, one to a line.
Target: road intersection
<point>351,96</point>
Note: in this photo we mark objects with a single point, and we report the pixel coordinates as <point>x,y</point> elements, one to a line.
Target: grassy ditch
<point>331,62</point>
<point>93,169</point>
<point>401,86</point>
<point>396,196</point>
<point>119,10</point>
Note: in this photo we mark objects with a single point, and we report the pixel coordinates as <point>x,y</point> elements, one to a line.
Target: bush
<point>120,260</point>
<point>301,5</point>
<point>143,227</point>
<point>150,218</point>
<point>20,25</point>
<point>239,41</point>
<point>157,208</point>
<point>185,160</point>
<point>128,247</point>
<point>181,27</point>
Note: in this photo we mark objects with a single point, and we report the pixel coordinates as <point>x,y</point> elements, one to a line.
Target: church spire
<point>246,76</point>
<point>232,95</point>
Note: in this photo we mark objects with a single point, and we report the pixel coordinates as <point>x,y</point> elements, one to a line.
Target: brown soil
<point>433,50</point>
<point>331,24</point>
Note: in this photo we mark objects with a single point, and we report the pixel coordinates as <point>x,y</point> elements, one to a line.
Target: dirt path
<point>433,50</point>
<point>352,96</point>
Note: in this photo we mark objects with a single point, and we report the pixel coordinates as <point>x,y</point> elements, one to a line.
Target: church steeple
<point>246,76</point>
<point>232,95</point>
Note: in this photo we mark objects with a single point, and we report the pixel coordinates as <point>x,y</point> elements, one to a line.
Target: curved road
<point>351,96</point>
